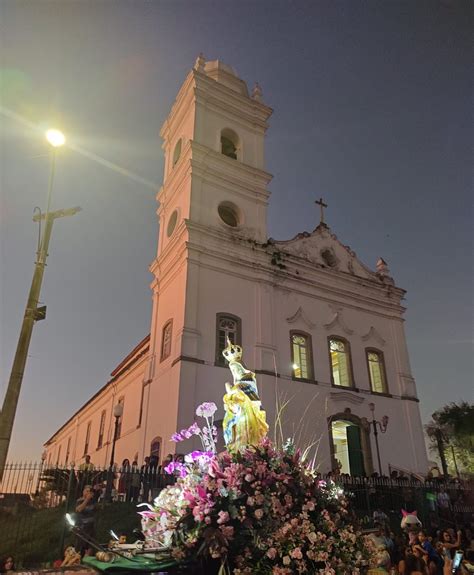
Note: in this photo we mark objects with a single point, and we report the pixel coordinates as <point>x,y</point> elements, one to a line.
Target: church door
<point>356,455</point>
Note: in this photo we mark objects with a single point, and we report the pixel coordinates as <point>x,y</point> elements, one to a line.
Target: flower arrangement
<point>258,510</point>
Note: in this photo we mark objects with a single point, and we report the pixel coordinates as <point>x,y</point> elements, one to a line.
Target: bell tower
<point>214,194</point>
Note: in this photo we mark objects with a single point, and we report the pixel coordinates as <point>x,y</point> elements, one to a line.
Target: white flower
<point>206,409</point>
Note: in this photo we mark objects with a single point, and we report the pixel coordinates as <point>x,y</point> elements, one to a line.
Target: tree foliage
<point>456,422</point>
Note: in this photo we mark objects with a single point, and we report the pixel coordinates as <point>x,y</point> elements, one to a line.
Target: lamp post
<point>33,312</point>
<point>118,412</point>
<point>382,425</point>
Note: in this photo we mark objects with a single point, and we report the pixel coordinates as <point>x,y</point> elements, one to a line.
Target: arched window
<point>88,437</point>
<point>68,451</point>
<point>166,340</point>
<point>121,401</point>
<point>229,143</point>
<point>100,439</point>
<point>301,357</point>
<point>58,460</point>
<point>155,448</point>
<point>227,326</point>
<point>376,366</point>
<point>177,152</point>
<point>340,356</point>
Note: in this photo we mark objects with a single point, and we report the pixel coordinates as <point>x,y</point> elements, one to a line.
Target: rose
<point>272,553</point>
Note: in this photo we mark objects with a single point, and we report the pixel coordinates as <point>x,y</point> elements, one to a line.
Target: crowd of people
<point>422,551</point>
<point>130,482</point>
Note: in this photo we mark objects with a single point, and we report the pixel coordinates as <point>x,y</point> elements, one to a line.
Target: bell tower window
<point>177,152</point>
<point>229,143</point>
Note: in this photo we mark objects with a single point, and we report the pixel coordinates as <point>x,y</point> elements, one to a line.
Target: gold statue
<point>244,421</point>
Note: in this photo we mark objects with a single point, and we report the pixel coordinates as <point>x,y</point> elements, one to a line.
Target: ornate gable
<point>322,248</point>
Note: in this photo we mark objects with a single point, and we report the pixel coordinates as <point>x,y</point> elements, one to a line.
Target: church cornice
<point>237,257</point>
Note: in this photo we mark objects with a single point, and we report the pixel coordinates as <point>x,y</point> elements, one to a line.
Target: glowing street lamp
<point>55,138</point>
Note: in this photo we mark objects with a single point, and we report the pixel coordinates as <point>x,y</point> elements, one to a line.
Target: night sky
<point>371,111</point>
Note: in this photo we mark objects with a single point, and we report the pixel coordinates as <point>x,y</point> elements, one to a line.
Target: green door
<point>356,456</point>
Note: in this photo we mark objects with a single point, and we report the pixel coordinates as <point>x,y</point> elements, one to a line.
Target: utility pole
<point>32,313</point>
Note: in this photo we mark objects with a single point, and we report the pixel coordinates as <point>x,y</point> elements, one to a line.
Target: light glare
<point>70,520</point>
<point>55,138</point>
<point>295,366</point>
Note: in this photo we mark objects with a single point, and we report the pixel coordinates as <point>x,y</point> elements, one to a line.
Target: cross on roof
<point>322,205</point>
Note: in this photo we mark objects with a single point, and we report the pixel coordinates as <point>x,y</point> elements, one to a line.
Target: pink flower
<point>206,409</point>
<point>286,560</point>
<point>296,553</point>
<point>223,517</point>
<point>258,513</point>
<point>272,553</point>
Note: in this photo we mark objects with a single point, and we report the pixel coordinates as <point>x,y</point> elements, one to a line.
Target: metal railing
<point>35,497</point>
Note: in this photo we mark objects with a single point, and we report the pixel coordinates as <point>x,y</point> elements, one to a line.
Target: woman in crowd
<point>8,565</point>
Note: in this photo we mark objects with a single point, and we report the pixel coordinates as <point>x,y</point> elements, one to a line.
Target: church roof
<point>323,249</point>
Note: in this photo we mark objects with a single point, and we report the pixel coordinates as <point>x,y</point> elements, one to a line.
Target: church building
<point>323,332</point>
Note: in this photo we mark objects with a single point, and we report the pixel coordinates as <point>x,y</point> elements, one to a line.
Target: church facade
<point>322,331</point>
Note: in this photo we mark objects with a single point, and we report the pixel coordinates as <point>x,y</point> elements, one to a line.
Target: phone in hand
<point>457,561</point>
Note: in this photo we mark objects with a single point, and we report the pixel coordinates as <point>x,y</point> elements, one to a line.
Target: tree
<point>453,425</point>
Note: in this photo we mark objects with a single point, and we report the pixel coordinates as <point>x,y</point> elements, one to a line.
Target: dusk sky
<point>372,111</point>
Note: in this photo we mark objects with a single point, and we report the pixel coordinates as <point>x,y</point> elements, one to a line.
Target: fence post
<point>68,503</point>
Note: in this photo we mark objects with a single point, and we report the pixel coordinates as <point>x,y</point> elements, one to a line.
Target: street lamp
<point>55,138</point>
<point>33,312</point>
<point>118,412</point>
<point>382,425</point>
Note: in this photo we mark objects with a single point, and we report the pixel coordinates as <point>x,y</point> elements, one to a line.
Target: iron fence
<point>34,499</point>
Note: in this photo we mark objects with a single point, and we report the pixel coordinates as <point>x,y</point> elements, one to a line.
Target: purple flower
<point>206,409</point>
<point>176,466</point>
<point>194,429</point>
<point>177,437</point>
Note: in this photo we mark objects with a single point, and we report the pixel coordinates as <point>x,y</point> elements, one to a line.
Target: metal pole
<point>10,401</point>
<point>376,435</point>
<point>108,487</point>
<point>62,537</point>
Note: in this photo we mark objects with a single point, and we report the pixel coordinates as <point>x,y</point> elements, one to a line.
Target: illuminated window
<point>301,355</point>
<point>339,352</point>
<point>376,366</point>
<point>227,326</point>
<point>88,436</point>
<point>100,439</point>
<point>166,340</point>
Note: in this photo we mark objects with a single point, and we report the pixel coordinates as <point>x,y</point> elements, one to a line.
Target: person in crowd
<point>134,489</point>
<point>449,543</point>
<point>430,555</point>
<point>85,521</point>
<point>380,517</point>
<point>87,465</point>
<point>414,565</point>
<point>124,481</point>
<point>145,479</point>
<point>155,475</point>
<point>7,565</point>
<point>443,501</point>
<point>84,474</point>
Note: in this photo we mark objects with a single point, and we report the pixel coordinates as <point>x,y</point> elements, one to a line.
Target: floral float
<point>254,508</point>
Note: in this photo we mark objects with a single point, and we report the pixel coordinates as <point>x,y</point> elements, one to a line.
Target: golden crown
<point>232,352</point>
